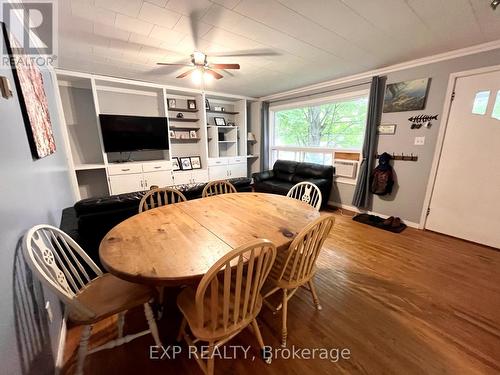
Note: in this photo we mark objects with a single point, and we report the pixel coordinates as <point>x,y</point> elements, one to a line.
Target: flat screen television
<point>134,133</point>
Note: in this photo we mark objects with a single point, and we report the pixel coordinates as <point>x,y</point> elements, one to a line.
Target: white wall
<point>32,192</point>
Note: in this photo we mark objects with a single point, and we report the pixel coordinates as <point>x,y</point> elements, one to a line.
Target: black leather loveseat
<point>286,173</point>
<point>88,221</point>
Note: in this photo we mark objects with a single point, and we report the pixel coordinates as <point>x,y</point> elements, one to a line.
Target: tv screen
<point>133,133</point>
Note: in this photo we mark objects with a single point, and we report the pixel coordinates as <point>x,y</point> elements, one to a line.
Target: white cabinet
<point>126,183</point>
<point>225,168</point>
<point>195,176</point>
<point>130,177</point>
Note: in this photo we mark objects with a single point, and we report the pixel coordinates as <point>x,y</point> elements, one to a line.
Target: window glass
<point>496,108</point>
<point>481,103</point>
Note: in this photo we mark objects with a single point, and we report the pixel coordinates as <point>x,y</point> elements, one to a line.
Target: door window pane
<point>496,108</point>
<point>481,103</point>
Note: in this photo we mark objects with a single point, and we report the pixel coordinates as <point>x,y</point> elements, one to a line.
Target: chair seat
<point>187,305</point>
<point>108,295</point>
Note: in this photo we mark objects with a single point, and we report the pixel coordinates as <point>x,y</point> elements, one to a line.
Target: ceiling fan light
<point>207,77</point>
<point>197,76</point>
<point>199,58</point>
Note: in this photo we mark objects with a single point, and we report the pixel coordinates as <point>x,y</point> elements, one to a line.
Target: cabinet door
<point>183,178</point>
<point>237,170</point>
<point>126,183</point>
<point>218,172</point>
<point>199,176</point>
<point>160,179</point>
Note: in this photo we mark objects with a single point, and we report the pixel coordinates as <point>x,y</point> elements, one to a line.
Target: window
<point>312,131</point>
<point>496,108</point>
<point>481,103</point>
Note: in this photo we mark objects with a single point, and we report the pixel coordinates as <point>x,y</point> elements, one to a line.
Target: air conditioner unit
<point>346,168</point>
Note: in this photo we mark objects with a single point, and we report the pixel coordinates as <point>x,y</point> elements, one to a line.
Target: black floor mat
<point>376,221</point>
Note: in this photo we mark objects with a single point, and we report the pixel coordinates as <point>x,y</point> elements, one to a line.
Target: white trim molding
<point>357,210</point>
<point>484,47</point>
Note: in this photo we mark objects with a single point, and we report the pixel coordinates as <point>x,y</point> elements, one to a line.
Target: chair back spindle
<point>217,188</point>
<point>160,197</point>
<point>306,192</point>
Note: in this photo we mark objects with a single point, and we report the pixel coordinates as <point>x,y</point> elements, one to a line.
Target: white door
<point>465,200</point>
<point>160,178</point>
<point>126,183</point>
<point>237,170</point>
<point>218,172</point>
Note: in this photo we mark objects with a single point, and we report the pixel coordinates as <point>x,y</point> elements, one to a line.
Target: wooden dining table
<point>177,244</point>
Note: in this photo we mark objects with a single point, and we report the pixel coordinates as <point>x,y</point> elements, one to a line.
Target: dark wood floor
<point>410,303</point>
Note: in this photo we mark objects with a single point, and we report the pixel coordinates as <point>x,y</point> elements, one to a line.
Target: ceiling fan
<point>201,68</point>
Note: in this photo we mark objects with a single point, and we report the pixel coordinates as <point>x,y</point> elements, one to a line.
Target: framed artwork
<point>186,164</point>
<point>183,134</point>
<point>406,96</point>
<point>195,162</point>
<point>218,109</point>
<point>175,164</point>
<point>33,102</point>
<point>220,121</point>
<point>191,104</point>
<point>192,134</point>
<point>171,103</point>
<point>207,104</point>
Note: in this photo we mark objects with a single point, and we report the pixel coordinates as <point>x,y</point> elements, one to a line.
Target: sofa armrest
<point>262,176</point>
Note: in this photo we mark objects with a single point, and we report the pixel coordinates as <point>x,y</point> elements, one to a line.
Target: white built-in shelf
<point>222,127</point>
<point>177,127</point>
<point>185,139</point>
<point>182,119</point>
<point>84,167</point>
<point>222,112</point>
<point>252,156</point>
<point>227,141</point>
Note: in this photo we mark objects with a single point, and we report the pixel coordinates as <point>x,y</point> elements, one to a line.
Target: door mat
<point>378,222</point>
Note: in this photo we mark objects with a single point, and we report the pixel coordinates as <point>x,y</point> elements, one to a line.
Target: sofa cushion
<point>109,203</point>
<point>284,170</point>
<point>306,171</point>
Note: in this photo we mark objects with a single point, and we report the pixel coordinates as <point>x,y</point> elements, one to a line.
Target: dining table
<point>176,244</point>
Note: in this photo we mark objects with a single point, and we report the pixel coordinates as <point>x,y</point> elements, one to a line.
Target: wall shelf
<point>227,141</point>
<point>183,110</point>
<point>185,139</point>
<point>186,127</point>
<point>85,167</point>
<point>222,112</point>
<point>182,119</point>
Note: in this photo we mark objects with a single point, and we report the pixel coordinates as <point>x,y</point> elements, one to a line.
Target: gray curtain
<point>264,136</point>
<point>361,198</point>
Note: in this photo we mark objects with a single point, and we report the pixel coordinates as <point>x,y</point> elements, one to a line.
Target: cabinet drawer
<point>124,169</point>
<point>159,166</point>
<point>237,160</point>
<point>216,161</point>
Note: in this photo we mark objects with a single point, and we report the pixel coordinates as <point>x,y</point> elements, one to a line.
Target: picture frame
<point>386,129</point>
<point>171,103</point>
<point>406,95</point>
<point>195,162</point>
<point>186,164</point>
<point>220,121</point>
<point>28,81</point>
<point>171,134</point>
<point>192,134</point>
<point>191,104</point>
<point>184,134</point>
<point>207,104</point>
<point>175,164</point>
<point>218,109</point>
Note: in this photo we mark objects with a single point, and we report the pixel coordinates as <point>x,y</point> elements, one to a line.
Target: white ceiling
<point>313,40</point>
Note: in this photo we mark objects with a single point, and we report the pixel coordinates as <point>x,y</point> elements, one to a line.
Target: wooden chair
<point>306,192</point>
<point>160,197</point>
<point>89,295</point>
<point>218,187</point>
<point>227,299</point>
<point>296,267</point>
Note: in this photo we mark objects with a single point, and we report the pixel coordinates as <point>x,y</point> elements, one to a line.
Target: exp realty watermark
<point>243,352</point>
<point>31,29</point>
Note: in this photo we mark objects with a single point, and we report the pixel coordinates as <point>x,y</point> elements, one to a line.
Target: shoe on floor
<point>388,222</point>
<point>396,223</point>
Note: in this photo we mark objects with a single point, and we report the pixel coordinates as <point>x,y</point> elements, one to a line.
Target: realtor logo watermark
<point>32,30</point>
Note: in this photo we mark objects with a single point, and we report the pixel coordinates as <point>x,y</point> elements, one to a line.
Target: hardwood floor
<point>410,303</point>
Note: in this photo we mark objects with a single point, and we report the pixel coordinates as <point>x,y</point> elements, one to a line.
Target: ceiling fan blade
<point>250,52</point>
<point>214,74</point>
<point>186,73</point>
<point>173,64</point>
<point>194,17</point>
<point>225,66</point>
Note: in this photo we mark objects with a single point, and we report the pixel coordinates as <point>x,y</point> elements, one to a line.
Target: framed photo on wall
<point>220,121</point>
<point>191,103</point>
<point>186,164</point>
<point>32,99</point>
<point>171,103</point>
<point>192,134</point>
<point>175,164</point>
<point>195,162</point>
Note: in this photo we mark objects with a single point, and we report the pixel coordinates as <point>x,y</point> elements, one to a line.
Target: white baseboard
<point>60,347</point>
<point>355,209</point>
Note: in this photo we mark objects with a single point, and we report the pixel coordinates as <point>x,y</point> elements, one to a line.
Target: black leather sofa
<point>286,173</point>
<point>88,221</point>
